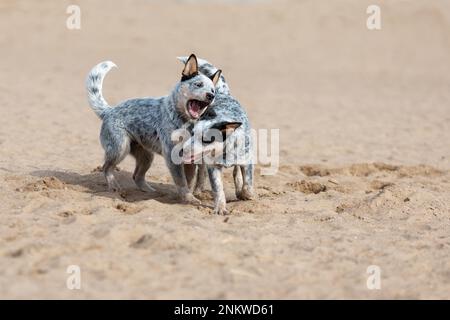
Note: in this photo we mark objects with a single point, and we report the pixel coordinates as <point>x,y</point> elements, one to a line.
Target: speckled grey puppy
<point>142,127</point>
<point>227,116</point>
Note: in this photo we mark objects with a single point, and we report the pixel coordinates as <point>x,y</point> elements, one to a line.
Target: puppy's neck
<point>175,108</point>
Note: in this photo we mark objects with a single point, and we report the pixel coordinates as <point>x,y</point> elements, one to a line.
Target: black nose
<point>209,96</point>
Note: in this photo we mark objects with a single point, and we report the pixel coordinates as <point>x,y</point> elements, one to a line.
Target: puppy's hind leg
<point>117,146</point>
<point>215,178</point>
<point>238,183</point>
<point>246,192</point>
<point>144,160</point>
<point>108,169</point>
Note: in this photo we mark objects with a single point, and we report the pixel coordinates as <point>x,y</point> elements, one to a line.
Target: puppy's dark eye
<point>212,135</point>
<point>208,140</point>
<point>198,84</point>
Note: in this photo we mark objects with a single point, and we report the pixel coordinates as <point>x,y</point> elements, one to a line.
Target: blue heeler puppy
<point>142,127</point>
<point>222,138</point>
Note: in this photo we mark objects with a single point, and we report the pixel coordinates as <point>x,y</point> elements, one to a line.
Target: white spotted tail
<point>94,83</point>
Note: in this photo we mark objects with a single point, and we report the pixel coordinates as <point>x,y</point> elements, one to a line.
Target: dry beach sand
<point>364,119</point>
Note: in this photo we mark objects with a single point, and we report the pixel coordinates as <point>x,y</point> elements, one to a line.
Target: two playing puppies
<point>144,126</point>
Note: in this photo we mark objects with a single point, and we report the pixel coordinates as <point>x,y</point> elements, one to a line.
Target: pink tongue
<point>195,108</point>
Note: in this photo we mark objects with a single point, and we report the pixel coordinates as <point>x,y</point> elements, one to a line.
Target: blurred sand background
<point>364,117</point>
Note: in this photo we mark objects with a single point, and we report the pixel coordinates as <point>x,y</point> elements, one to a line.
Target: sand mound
<point>308,186</point>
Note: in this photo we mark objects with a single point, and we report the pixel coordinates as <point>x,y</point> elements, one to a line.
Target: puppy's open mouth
<point>196,108</point>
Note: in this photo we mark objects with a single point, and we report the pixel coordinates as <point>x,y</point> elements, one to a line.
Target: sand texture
<point>364,119</point>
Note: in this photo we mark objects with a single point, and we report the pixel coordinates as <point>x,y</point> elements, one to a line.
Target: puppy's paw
<point>221,209</point>
<point>245,194</point>
<point>189,198</point>
<point>114,186</point>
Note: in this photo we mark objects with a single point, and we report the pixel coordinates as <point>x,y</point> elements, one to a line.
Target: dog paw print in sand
<point>70,216</point>
<point>67,217</point>
<point>127,208</point>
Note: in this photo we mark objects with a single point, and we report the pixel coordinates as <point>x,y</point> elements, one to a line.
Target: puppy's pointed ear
<point>227,127</point>
<point>231,126</point>
<point>190,67</point>
<point>216,76</point>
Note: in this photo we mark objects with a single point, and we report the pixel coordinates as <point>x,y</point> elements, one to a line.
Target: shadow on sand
<point>95,184</point>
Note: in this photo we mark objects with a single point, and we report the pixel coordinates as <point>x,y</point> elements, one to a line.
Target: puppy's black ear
<point>227,128</point>
<point>190,67</point>
<point>216,76</point>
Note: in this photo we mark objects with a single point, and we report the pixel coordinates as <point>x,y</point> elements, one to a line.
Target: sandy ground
<point>364,119</point>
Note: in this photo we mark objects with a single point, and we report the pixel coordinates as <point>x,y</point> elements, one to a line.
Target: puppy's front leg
<point>202,172</point>
<point>179,178</point>
<point>215,178</point>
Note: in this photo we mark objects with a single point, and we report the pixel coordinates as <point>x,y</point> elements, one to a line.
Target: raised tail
<point>94,83</point>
